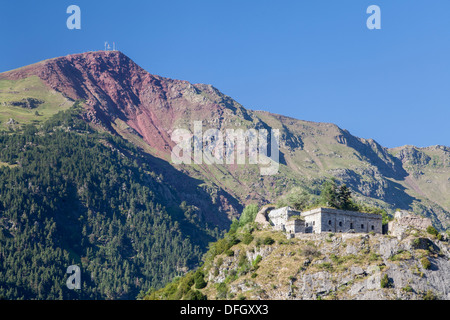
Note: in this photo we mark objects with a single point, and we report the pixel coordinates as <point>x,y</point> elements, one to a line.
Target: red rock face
<point>113,86</point>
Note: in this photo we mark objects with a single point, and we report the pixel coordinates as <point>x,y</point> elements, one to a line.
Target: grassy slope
<point>31,87</point>
<point>432,179</point>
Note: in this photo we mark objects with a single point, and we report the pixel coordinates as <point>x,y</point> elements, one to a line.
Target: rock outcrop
<point>404,221</point>
<point>335,266</point>
<point>262,216</point>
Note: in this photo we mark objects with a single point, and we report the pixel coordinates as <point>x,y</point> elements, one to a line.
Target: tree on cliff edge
<point>339,197</point>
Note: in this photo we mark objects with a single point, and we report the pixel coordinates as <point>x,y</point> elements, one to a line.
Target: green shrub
<point>325,265</point>
<point>184,287</point>
<point>170,289</point>
<point>244,269</point>
<point>219,247</point>
<point>243,264</point>
<point>229,253</point>
<point>247,238</point>
<point>199,279</point>
<point>429,296</point>
<point>194,295</point>
<point>407,289</point>
<point>232,241</point>
<point>335,258</point>
<point>232,275</point>
<point>401,255</point>
<point>248,215</point>
<point>374,257</point>
<point>426,264</point>
<point>431,230</point>
<point>268,241</point>
<point>385,282</point>
<point>234,226</point>
<point>257,260</point>
<point>242,259</point>
<point>222,290</point>
<point>386,217</point>
<point>188,280</point>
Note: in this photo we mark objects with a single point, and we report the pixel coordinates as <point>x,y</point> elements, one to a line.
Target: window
<point>340,223</point>
<point>373,228</point>
<point>351,225</point>
<point>329,222</point>
<point>362,226</point>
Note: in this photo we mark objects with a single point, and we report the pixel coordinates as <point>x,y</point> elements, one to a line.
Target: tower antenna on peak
<point>114,46</point>
<point>106,44</point>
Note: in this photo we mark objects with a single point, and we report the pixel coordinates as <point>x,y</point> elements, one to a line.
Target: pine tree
<point>344,198</point>
<point>329,194</point>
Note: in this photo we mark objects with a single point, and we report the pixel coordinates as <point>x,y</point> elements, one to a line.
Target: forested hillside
<point>69,195</point>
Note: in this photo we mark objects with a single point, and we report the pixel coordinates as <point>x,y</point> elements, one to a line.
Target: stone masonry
<point>279,217</point>
<point>324,220</point>
<point>333,220</point>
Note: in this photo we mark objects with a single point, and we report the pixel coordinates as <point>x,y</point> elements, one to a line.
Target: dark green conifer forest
<point>72,196</point>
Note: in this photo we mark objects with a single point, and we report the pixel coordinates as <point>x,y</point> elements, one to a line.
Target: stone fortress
<point>320,220</point>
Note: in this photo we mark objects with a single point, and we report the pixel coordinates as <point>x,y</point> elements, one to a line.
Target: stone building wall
<point>279,217</point>
<point>334,220</point>
<point>295,226</point>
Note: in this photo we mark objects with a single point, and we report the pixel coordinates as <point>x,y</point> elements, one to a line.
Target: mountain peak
<point>90,57</point>
<point>118,92</point>
<point>77,75</point>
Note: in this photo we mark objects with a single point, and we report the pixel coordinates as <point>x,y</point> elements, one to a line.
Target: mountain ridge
<point>125,100</point>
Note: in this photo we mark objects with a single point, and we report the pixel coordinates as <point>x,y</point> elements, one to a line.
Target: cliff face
<point>333,266</point>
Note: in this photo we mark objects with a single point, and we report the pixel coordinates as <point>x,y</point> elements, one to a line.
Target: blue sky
<point>312,60</point>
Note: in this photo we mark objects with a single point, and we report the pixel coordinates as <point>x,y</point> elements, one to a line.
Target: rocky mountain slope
<point>255,263</point>
<point>123,99</point>
<point>343,267</point>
